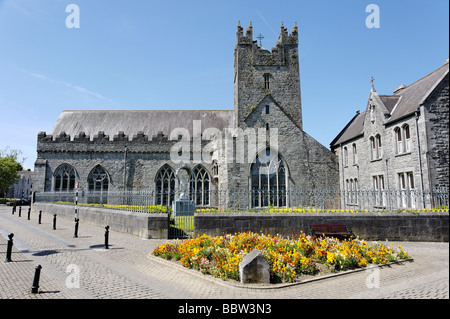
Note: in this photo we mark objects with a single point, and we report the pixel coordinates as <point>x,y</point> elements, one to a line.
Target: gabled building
<point>400,142</point>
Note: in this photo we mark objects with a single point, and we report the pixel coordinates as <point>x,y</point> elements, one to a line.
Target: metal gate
<point>181,226</point>
<point>181,219</point>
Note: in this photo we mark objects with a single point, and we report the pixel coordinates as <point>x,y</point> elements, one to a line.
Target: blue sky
<point>179,55</point>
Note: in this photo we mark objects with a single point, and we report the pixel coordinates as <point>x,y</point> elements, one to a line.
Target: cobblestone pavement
<point>126,271</point>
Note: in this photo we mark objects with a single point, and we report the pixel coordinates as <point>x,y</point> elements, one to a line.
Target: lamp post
<point>124,172</point>
<point>125,167</point>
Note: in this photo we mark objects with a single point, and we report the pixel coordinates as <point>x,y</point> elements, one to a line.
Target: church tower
<point>263,77</point>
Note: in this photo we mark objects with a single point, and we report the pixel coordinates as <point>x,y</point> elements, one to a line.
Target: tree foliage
<point>9,166</point>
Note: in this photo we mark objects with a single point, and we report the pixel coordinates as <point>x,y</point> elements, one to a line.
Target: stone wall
<point>437,127</point>
<point>143,225</point>
<point>367,226</point>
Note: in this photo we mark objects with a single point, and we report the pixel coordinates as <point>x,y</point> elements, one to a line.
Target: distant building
<point>24,186</point>
<point>401,141</point>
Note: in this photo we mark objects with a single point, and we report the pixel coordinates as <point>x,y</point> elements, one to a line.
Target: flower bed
<point>288,258</point>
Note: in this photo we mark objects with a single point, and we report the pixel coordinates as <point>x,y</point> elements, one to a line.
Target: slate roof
<point>402,103</point>
<point>352,130</point>
<point>132,122</point>
<point>415,94</point>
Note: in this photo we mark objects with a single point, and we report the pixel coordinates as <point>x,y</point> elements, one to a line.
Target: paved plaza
<point>81,268</point>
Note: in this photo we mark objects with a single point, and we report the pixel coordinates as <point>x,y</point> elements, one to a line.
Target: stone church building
<point>400,142</point>
<point>259,146</point>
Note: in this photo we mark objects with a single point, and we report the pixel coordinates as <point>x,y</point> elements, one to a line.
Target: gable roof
<point>133,122</point>
<point>353,129</point>
<point>415,94</point>
<point>269,96</point>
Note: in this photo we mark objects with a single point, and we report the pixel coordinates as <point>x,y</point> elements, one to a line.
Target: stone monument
<point>183,206</point>
<point>254,268</point>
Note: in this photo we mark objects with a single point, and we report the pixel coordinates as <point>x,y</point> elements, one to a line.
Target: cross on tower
<point>260,37</point>
<point>371,80</point>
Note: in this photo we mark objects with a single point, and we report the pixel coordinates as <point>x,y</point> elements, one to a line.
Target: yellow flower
<point>331,258</point>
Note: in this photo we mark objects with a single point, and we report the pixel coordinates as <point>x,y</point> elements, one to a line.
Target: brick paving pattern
<point>125,271</point>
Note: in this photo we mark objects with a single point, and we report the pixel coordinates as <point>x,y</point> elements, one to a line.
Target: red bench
<point>330,230</point>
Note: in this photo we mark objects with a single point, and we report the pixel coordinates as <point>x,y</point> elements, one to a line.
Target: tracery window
<point>98,179</point>
<point>200,186</point>
<point>98,184</point>
<point>268,180</point>
<point>165,186</point>
<point>64,178</point>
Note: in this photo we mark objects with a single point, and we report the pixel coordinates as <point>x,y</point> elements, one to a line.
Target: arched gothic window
<point>64,178</point>
<point>165,186</point>
<point>200,183</point>
<point>268,180</point>
<point>98,179</point>
<point>98,184</point>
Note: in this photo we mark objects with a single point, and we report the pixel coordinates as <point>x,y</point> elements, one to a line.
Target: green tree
<point>9,166</point>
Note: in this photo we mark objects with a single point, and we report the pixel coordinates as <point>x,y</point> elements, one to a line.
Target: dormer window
<point>267,81</point>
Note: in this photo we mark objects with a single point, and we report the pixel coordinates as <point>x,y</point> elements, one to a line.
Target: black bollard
<point>29,212</point>
<point>14,208</point>
<point>54,222</point>
<point>20,211</point>
<point>106,237</point>
<point>37,274</point>
<point>9,248</point>
<point>75,235</point>
<point>40,216</point>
